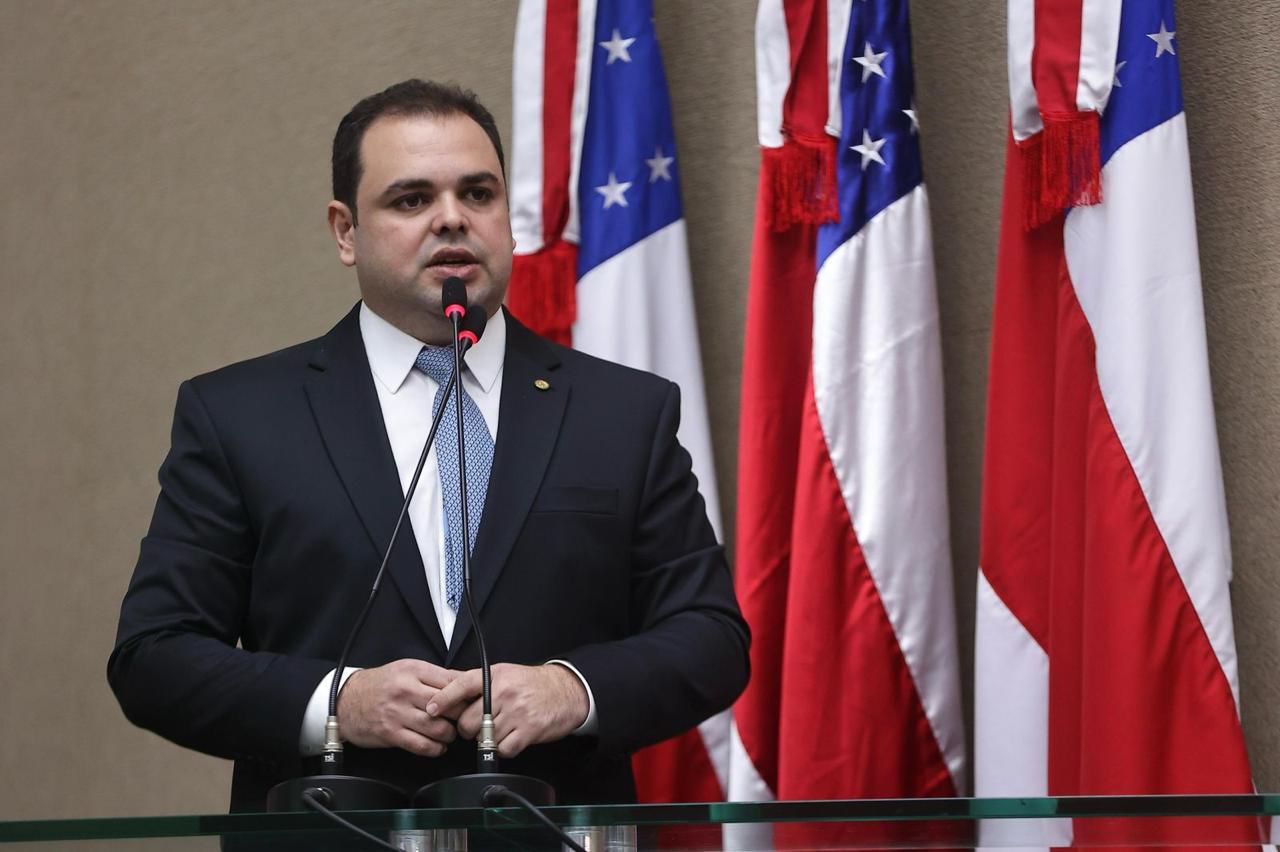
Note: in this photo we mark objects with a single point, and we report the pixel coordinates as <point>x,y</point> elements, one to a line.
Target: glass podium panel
<point>1035,823</point>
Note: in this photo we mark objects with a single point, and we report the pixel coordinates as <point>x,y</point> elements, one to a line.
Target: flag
<point>843,550</point>
<point>602,258</point>
<point>1105,657</point>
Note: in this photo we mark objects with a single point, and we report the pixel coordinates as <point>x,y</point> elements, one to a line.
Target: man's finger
<point>418,744</point>
<point>432,675</point>
<point>511,745</point>
<point>452,699</point>
<point>469,721</point>
<point>503,725</point>
<point>438,729</point>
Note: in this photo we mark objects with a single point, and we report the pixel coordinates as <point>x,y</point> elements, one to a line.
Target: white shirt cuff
<point>590,725</point>
<point>311,738</point>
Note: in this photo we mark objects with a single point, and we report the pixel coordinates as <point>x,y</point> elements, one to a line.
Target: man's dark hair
<point>412,97</point>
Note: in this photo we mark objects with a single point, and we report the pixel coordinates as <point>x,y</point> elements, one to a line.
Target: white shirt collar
<point>392,352</point>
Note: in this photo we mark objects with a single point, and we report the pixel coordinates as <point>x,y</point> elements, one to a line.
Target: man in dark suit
<point>602,590</point>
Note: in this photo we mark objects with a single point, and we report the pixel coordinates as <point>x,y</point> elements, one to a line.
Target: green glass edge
<point>854,810</point>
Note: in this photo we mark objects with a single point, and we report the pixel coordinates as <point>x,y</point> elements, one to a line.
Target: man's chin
<point>484,296</point>
<point>480,288</point>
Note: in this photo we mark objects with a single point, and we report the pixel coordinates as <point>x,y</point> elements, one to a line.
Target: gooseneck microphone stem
<point>486,744</point>
<point>454,305</point>
<point>332,790</point>
<point>332,756</point>
<point>480,788</point>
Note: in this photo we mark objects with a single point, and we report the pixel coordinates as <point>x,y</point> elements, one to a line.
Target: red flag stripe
<point>804,112</point>
<point>774,378</point>
<point>677,770</point>
<point>773,394</point>
<point>1113,726</point>
<point>561,58</point>
<point>1017,465</point>
<point>1055,64</point>
<point>852,723</point>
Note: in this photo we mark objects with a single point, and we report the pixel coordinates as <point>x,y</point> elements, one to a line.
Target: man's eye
<point>479,193</point>
<point>410,202</point>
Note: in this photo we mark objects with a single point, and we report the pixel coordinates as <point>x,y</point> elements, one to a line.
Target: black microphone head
<point>473,324</point>
<point>453,297</point>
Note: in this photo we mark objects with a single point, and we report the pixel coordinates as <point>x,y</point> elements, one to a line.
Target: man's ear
<point>342,225</point>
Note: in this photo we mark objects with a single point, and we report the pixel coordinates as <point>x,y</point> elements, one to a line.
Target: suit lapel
<point>528,423</point>
<point>345,405</point>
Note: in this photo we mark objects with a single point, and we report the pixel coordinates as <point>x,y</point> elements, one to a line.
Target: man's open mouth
<point>452,257</point>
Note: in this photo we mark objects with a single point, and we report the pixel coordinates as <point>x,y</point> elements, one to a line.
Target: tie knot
<point>436,362</point>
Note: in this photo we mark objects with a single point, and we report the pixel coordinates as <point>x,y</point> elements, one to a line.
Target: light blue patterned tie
<point>437,362</point>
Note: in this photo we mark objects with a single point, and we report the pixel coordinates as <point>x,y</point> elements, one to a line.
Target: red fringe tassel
<point>542,291</point>
<point>798,183</point>
<point>1061,166</point>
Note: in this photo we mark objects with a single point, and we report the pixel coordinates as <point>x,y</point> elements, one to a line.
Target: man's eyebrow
<point>470,179</point>
<point>478,177</point>
<point>406,184</point>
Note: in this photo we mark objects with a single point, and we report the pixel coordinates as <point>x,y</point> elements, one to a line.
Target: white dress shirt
<point>406,395</point>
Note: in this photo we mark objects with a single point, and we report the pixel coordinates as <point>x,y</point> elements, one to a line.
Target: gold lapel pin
<point>542,384</point>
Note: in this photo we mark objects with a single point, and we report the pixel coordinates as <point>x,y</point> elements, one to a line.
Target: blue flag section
<point>1147,90</point>
<point>879,156</point>
<point>628,187</point>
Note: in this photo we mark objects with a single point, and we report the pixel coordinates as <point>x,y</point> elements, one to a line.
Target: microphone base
<point>337,793</point>
<point>467,791</point>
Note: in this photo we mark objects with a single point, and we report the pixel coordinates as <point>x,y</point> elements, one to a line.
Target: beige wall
<point>164,167</point>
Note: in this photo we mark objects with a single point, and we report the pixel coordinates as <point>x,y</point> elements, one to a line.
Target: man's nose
<point>451,215</point>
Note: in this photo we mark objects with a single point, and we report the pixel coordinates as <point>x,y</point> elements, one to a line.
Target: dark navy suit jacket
<point>278,497</point>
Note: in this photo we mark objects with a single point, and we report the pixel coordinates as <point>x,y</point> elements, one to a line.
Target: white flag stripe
<point>715,738</point>
<point>1011,702</point>
<point>578,116</point>
<point>637,309</point>
<point>877,376</point>
<point>1011,723</point>
<point>746,785</point>
<point>773,70</point>
<point>1099,36</point>
<point>1134,263</point>
<point>1024,108</point>
<point>526,127</point>
<point>838,12</point>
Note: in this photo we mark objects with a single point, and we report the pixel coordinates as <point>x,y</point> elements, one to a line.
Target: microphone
<point>331,788</point>
<point>453,300</point>
<point>487,785</point>
<point>453,297</point>
<point>486,743</point>
<point>473,325</point>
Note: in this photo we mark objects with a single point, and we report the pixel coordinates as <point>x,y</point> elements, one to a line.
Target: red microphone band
<point>455,309</point>
<point>469,335</point>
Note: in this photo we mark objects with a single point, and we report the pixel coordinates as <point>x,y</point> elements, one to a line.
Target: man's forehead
<point>391,139</point>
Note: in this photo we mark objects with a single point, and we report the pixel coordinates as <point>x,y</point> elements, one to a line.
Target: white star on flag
<point>870,61</point>
<point>613,191</point>
<point>1163,40</point>
<point>1116,79</point>
<point>915,121</point>
<point>617,47</point>
<point>869,149</point>
<point>659,166</point>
